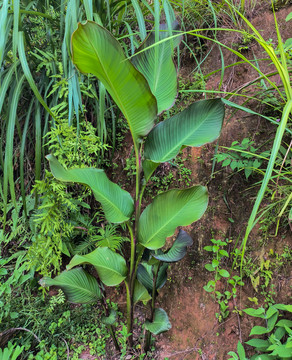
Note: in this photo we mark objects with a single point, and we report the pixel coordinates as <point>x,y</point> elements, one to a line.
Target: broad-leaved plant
<point>142,88</point>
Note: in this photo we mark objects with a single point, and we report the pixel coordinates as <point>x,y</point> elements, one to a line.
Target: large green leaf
<point>160,323</point>
<point>197,125</point>
<point>162,276</point>
<point>117,203</point>
<point>178,249</point>
<point>168,211</point>
<point>110,266</point>
<point>140,293</point>
<point>97,52</point>
<point>157,66</point>
<point>145,276</point>
<point>149,167</point>
<point>79,286</point>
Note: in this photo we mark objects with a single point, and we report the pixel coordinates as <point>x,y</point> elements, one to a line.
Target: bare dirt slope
<point>196,333</point>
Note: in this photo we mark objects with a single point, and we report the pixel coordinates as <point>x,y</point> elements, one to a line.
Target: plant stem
<point>130,309</point>
<point>107,313</point>
<point>148,333</point>
<point>276,145</point>
<point>133,249</point>
<point>133,265</point>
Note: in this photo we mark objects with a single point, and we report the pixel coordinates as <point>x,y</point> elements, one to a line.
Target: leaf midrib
<point>113,90</point>
<point>105,267</point>
<point>181,143</point>
<point>98,192</point>
<point>176,214</point>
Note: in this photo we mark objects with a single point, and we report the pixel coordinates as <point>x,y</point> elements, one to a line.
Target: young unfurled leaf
<point>157,66</point>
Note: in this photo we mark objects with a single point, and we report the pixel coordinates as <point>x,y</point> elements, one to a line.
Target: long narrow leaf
<point>157,66</point>
<point>21,158</point>
<point>28,74</point>
<point>38,147</point>
<point>8,161</point>
<point>3,29</point>
<point>140,19</point>
<point>274,152</point>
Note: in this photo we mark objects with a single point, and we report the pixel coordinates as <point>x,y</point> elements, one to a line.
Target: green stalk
<point>129,314</point>
<point>276,146</point>
<point>132,259</point>
<point>133,265</point>
<point>32,13</point>
<point>107,313</point>
<point>148,333</point>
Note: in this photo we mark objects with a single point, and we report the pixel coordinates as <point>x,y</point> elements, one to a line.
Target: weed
<point>278,334</point>
<point>222,298</point>
<point>242,156</point>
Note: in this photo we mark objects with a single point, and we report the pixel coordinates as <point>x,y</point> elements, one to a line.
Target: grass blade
<point>8,177</point>
<point>21,158</point>
<point>38,147</point>
<point>140,19</point>
<point>276,146</point>
<point>3,29</point>
<point>28,74</point>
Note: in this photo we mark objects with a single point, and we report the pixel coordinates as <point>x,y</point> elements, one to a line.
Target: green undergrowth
<point>51,328</point>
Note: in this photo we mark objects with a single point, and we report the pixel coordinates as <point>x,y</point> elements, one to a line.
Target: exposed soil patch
<point>196,333</point>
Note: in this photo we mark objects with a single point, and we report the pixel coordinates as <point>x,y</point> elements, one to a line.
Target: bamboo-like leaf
<point>27,73</point>
<point>116,202</point>
<point>157,66</point>
<point>8,177</point>
<point>140,19</point>
<point>110,266</point>
<point>79,286</point>
<point>178,249</point>
<point>197,125</point>
<point>97,52</point>
<point>168,211</point>
<point>3,29</point>
<point>160,323</point>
